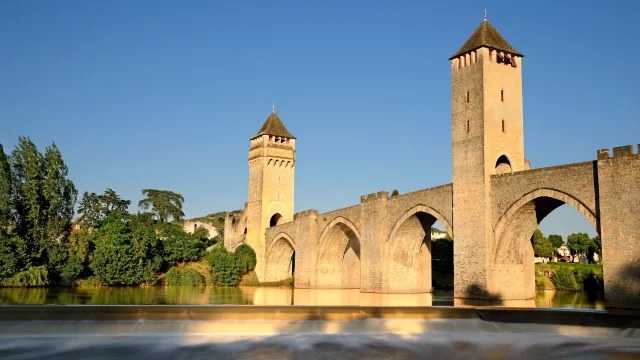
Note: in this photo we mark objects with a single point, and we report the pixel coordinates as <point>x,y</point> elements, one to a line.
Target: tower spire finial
<point>273,107</point>
<point>485,14</point>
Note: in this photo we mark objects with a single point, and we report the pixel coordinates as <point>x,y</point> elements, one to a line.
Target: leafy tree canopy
<point>164,204</point>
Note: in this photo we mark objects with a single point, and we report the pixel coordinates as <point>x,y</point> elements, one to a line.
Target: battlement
<point>620,151</point>
<point>306,213</point>
<point>374,196</point>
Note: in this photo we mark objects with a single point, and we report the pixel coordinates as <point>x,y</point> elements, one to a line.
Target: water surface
<point>178,295</point>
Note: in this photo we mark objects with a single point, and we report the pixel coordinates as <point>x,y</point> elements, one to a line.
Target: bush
<point>191,277</point>
<point>34,276</point>
<point>225,270</point>
<point>172,277</point>
<point>563,279</point>
<point>245,258</point>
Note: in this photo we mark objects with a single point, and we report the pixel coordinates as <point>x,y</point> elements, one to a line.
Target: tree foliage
<point>245,258</point>
<point>556,241</point>
<point>5,192</point>
<point>95,208</point>
<point>395,192</point>
<point>579,244</point>
<point>164,204</point>
<point>542,247</point>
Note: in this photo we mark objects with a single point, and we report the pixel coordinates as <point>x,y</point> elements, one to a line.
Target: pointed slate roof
<point>486,35</point>
<point>274,126</point>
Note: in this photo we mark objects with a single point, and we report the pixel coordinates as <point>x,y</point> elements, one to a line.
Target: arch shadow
<point>338,262</point>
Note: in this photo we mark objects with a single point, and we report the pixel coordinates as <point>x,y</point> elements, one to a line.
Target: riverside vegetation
<point>38,246</point>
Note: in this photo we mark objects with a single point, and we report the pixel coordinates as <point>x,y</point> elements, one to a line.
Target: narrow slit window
<point>468,97</point>
<point>502,95</point>
<point>459,63</point>
<point>502,125</point>
<point>467,125</point>
<point>490,55</point>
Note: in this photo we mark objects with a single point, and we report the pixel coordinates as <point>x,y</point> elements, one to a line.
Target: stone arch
<point>512,264</point>
<point>503,165</point>
<point>338,262</point>
<point>280,259</point>
<point>409,260</point>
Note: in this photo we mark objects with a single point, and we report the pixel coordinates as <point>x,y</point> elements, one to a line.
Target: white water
<point>370,339</point>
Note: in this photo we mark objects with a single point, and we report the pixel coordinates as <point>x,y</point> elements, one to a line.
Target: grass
<point>597,268</point>
<point>251,279</point>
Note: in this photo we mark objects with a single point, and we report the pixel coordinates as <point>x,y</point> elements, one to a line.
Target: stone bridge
<point>491,209</point>
<point>383,243</point>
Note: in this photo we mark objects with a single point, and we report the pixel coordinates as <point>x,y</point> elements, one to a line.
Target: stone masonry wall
<point>619,205</point>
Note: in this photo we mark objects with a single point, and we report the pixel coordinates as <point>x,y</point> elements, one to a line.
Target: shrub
<point>34,276</point>
<point>563,279</point>
<point>245,258</point>
<point>225,271</point>
<point>191,277</point>
<point>172,277</point>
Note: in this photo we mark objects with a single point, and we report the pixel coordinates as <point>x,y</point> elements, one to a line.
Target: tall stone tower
<point>488,139</point>
<point>272,159</point>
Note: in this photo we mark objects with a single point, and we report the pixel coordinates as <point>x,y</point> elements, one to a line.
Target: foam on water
<point>371,339</point>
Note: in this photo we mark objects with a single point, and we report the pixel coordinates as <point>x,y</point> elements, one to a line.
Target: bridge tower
<point>487,139</point>
<point>272,158</point>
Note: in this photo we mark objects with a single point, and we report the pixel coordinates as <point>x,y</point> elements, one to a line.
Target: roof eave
<point>481,46</point>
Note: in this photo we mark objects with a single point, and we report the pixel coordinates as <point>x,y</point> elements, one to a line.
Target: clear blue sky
<point>158,94</point>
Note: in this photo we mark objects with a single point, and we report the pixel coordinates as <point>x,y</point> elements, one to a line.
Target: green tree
<point>27,168</point>
<point>90,210</point>
<point>579,244</point>
<point>178,245</point>
<point>111,202</point>
<point>245,258</point>
<point>556,241</point>
<point>5,192</point>
<point>59,194</point>
<point>541,245</point>
<point>224,270</point>
<point>9,265</point>
<point>563,279</point>
<point>201,233</point>
<point>42,197</point>
<point>395,192</point>
<point>595,248</point>
<point>164,204</point>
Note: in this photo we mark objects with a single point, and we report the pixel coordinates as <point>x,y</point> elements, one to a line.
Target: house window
<point>502,125</point>
<point>502,95</point>
<point>468,97</point>
<point>467,125</point>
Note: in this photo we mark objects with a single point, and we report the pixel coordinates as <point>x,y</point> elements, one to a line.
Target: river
<point>178,295</point>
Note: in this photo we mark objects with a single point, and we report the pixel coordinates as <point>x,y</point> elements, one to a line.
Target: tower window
<point>468,96</point>
<point>475,57</point>
<point>502,95</point>
<point>465,60</point>
<point>490,54</point>
<point>467,125</point>
<point>459,63</point>
<point>502,125</point>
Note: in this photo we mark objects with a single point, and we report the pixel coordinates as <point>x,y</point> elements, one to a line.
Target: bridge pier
<point>618,186</point>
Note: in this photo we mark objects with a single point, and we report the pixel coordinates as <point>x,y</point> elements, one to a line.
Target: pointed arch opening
<point>512,257</point>
<point>280,260</point>
<point>276,219</point>
<point>338,263</point>
<point>503,165</point>
<point>411,251</point>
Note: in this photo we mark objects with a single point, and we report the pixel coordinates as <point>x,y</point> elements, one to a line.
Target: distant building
<point>191,226</point>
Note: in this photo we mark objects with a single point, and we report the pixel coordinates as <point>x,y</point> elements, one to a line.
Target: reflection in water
<point>183,295</point>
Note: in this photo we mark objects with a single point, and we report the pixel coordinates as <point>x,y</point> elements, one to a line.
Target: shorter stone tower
<point>272,159</point>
